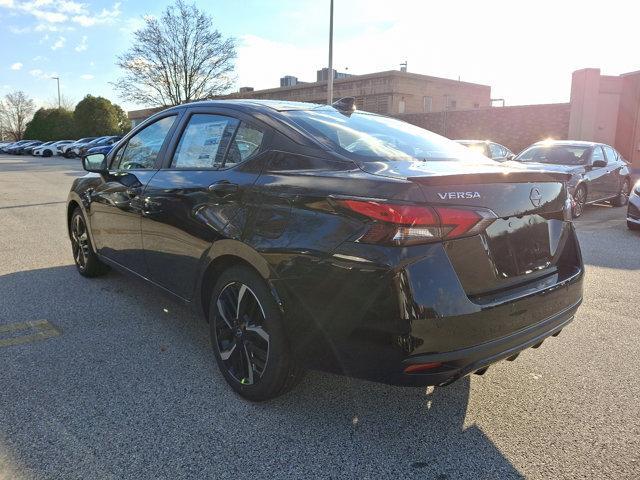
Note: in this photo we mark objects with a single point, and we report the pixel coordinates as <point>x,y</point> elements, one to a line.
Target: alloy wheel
<point>624,193</point>
<point>241,339</point>
<point>79,241</point>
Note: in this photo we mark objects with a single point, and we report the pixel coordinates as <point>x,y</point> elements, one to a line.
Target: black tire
<point>580,201</point>
<point>86,260</point>
<point>47,153</point>
<point>633,226</point>
<point>623,197</point>
<point>257,362</point>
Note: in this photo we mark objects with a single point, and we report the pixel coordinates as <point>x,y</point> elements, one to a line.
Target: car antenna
<point>346,105</point>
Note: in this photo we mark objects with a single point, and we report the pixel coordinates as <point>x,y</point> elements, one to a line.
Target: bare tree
<point>176,59</point>
<point>66,103</point>
<point>15,111</point>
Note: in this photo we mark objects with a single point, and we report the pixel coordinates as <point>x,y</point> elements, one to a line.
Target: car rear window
<point>369,137</point>
<point>556,154</point>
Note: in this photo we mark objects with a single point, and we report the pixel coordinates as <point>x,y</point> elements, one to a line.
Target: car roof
<point>253,105</point>
<point>473,141</point>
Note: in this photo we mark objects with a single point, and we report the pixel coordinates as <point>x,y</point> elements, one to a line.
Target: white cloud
<point>87,76</point>
<point>55,12</point>
<point>82,46</point>
<point>41,75</point>
<point>36,72</point>
<point>16,66</point>
<point>19,30</point>
<point>58,43</point>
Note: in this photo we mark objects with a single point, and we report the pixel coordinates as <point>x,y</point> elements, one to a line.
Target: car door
<point>614,175</point>
<point>116,204</point>
<point>199,196</point>
<point>597,176</point>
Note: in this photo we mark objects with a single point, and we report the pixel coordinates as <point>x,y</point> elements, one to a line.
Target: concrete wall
<point>515,127</point>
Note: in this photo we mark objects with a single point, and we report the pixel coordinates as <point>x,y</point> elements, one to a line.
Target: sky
<point>525,51</point>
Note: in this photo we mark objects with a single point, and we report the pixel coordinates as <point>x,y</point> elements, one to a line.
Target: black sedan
<point>308,239</point>
<point>598,172</point>
<point>489,149</point>
<point>633,211</point>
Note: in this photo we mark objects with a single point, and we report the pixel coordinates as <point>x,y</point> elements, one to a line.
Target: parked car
<point>98,142</point>
<point>50,149</point>
<point>490,149</point>
<point>68,151</point>
<point>316,245</point>
<point>5,148</point>
<point>598,172</point>
<point>19,147</point>
<point>29,150</point>
<point>633,210</point>
<point>103,149</point>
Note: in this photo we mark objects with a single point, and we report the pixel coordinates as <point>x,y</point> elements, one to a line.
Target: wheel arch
<point>224,254</point>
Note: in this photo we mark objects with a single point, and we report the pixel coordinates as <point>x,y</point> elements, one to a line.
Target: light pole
<point>330,77</point>
<point>58,80</point>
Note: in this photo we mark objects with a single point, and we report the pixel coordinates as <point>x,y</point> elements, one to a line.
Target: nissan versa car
<point>310,240</point>
<point>598,172</point>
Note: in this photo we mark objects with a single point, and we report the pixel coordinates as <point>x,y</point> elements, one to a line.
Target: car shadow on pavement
<point>130,390</point>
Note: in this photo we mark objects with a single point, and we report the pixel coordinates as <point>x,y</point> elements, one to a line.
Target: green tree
<point>51,124</point>
<point>95,116</point>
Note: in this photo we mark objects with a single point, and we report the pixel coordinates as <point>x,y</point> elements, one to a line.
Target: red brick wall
<point>515,127</point>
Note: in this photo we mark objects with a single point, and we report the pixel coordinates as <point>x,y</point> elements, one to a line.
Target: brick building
<point>392,92</point>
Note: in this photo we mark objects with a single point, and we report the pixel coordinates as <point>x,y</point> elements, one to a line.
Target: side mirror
<point>511,156</point>
<point>95,163</point>
<point>599,164</point>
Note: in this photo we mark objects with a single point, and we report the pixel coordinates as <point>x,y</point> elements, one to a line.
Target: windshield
<point>373,138</point>
<point>556,154</point>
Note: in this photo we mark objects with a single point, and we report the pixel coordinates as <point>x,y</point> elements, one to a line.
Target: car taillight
<point>399,224</point>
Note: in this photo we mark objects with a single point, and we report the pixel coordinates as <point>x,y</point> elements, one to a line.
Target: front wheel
<point>580,201</point>
<point>86,260</point>
<point>623,197</point>
<point>248,337</point>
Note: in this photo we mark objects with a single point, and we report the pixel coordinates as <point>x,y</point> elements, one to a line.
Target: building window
<point>401,106</point>
<point>452,105</point>
<point>427,104</point>
<point>476,105</point>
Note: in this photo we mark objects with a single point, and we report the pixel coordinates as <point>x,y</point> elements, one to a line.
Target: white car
<point>50,149</point>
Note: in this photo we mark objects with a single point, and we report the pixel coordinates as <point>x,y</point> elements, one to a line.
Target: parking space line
<point>34,330</point>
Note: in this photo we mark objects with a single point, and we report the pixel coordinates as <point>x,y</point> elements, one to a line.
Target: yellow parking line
<point>42,328</point>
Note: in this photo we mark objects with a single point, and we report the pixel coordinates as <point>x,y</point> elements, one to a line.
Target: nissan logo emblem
<point>535,197</point>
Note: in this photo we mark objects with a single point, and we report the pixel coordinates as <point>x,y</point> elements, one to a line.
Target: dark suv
<point>315,236</point>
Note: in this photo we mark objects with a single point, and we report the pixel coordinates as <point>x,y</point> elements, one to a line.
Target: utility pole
<point>330,77</point>
<point>58,80</point>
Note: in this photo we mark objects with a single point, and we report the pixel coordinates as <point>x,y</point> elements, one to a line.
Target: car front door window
<point>141,151</point>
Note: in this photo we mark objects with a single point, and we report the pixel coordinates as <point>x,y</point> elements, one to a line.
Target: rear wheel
<point>580,201</point>
<point>87,262</point>
<point>623,197</point>
<point>248,337</point>
<point>47,153</point>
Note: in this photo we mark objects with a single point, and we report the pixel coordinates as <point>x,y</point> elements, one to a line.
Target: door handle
<point>223,188</point>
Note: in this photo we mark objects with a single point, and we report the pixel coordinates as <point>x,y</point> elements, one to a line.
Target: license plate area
<point>519,245</point>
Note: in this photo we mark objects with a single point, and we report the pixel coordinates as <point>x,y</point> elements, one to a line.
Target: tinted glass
<point>246,143</point>
<point>369,137</point>
<point>141,151</point>
<point>597,155</point>
<point>496,150</point>
<point>556,154</point>
<point>203,142</point>
<point>610,153</point>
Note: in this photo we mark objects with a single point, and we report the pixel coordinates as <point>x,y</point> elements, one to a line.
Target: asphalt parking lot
<point>117,381</point>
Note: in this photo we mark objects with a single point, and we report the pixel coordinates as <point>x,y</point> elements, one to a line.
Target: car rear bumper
<point>371,319</point>
<point>633,210</point>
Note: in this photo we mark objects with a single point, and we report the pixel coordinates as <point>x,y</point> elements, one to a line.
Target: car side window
<point>611,154</point>
<point>141,151</point>
<point>496,151</point>
<point>597,154</point>
<point>204,141</point>
<point>245,144</point>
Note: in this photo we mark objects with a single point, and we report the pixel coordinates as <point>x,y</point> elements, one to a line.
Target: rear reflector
<point>422,367</point>
<point>411,224</point>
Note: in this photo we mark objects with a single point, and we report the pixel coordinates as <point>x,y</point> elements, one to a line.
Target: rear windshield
<point>556,154</point>
<point>369,137</point>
